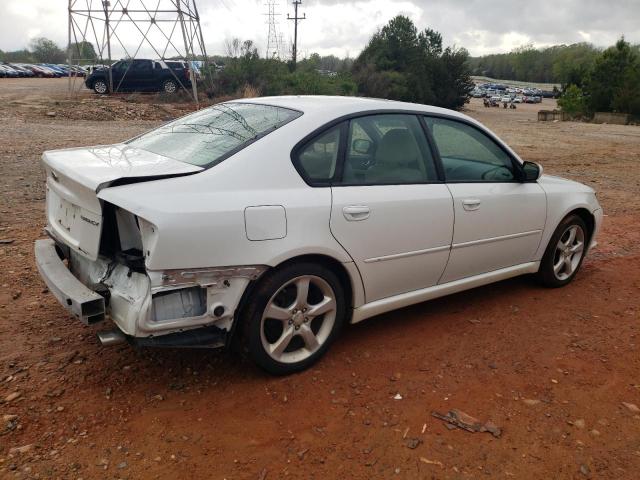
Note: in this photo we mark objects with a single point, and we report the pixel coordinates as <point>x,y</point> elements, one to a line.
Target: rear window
<point>207,137</point>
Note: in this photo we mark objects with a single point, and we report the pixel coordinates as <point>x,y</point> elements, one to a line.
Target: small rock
<point>9,418</point>
<point>397,397</point>
<point>595,433</point>
<point>530,401</point>
<point>122,465</point>
<point>51,114</point>
<point>579,423</point>
<point>584,470</point>
<point>553,380</point>
<point>158,397</point>
<point>413,443</point>
<point>21,450</point>
<point>12,396</point>
<point>632,407</point>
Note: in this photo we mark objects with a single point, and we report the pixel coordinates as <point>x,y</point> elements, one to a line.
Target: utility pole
<point>296,19</point>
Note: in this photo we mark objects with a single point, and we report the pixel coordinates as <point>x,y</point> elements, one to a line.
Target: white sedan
<point>275,221</point>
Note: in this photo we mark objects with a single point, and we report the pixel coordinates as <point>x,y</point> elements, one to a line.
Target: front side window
<point>387,149</point>
<point>469,155</point>
<point>207,136</point>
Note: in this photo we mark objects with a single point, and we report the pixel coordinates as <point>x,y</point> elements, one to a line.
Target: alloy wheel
<point>170,87</point>
<point>100,87</point>
<point>298,319</point>
<point>568,253</point>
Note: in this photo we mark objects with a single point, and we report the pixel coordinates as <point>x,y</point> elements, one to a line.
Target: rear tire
<point>564,254</point>
<point>170,87</point>
<point>293,317</point>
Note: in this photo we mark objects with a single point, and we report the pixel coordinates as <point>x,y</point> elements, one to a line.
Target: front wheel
<point>295,314</point>
<point>100,87</point>
<point>564,254</point>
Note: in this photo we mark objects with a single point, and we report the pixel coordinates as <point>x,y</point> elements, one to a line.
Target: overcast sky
<point>343,28</point>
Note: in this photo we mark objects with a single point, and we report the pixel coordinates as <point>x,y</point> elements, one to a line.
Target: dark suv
<point>141,76</point>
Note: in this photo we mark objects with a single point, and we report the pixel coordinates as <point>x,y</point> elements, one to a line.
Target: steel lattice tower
<point>273,39</point>
<point>168,28</point>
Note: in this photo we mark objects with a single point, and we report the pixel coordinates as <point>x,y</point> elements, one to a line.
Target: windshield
<point>208,136</point>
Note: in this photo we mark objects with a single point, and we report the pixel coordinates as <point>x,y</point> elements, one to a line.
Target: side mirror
<point>532,171</point>
<point>362,146</point>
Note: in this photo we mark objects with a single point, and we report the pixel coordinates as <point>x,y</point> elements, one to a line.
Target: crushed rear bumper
<point>79,300</point>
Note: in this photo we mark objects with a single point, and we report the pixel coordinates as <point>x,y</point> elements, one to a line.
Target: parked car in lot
<point>44,71</point>
<point>9,72</point>
<point>141,75</point>
<point>25,71</point>
<point>275,221</point>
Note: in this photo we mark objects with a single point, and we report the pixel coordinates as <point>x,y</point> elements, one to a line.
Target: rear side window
<point>468,154</point>
<point>208,136</point>
<point>319,157</point>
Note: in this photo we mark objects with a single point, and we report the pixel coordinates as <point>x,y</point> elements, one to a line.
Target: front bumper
<point>598,216</point>
<point>79,300</point>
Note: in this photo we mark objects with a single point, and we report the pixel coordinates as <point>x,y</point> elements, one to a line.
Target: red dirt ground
<point>552,368</point>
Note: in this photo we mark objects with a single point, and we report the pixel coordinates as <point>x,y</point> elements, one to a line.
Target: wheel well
<point>332,264</point>
<point>587,218</point>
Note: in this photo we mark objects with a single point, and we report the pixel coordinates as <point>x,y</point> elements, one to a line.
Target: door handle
<point>356,213</point>
<point>471,204</point>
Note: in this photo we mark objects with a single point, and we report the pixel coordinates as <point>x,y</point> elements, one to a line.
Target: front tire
<point>100,87</point>
<point>294,315</point>
<point>565,253</point>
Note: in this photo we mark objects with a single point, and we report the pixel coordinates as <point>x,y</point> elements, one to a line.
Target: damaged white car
<point>277,220</point>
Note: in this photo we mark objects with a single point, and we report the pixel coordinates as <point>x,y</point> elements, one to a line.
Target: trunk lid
<point>76,175</point>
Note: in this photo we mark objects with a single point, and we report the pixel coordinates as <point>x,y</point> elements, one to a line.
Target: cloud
<point>343,27</point>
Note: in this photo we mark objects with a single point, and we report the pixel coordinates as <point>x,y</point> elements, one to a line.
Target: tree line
<point>611,83</point>
<point>43,50</point>
<point>398,63</point>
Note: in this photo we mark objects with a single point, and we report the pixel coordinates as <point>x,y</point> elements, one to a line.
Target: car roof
<point>331,107</point>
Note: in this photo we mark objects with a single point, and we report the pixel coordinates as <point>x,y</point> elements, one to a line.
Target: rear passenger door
<point>498,218</point>
<point>389,210</point>
<point>141,75</point>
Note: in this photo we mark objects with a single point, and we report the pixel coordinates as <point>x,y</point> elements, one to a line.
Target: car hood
<point>98,167</point>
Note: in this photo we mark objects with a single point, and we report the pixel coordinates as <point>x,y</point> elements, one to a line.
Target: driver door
<point>499,220</point>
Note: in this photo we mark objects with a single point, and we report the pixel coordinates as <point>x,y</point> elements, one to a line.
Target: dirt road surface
<point>557,370</point>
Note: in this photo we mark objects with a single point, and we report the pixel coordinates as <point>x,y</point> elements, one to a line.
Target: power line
<point>296,19</point>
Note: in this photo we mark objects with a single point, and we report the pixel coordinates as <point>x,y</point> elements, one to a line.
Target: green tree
<point>46,51</point>
<point>572,101</point>
<point>82,52</point>
<point>613,81</point>
<point>401,63</point>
